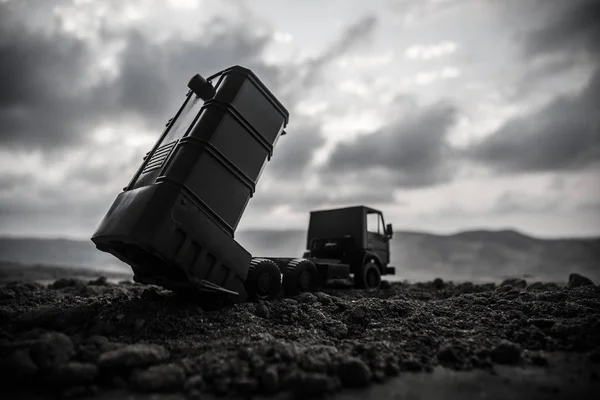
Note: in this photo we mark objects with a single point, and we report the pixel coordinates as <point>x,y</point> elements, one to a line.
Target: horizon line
<point>404,231</point>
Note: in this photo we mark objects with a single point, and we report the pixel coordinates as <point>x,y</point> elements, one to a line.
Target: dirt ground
<point>438,340</point>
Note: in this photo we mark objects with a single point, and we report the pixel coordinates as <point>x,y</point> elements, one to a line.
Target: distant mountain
<point>471,255</point>
<point>66,252</point>
<point>481,255</point>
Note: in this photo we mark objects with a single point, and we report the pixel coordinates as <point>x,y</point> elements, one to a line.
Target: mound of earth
<point>99,339</point>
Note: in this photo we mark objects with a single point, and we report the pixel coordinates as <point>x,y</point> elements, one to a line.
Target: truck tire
<point>368,276</point>
<point>264,280</point>
<point>300,276</point>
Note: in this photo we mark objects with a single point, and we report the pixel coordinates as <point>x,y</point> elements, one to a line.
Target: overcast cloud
<point>447,115</point>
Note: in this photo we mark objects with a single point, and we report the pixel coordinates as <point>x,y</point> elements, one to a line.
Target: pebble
<point>73,374</point>
<point>506,352</point>
<point>18,365</point>
<point>577,280</point>
<point>163,377</point>
<point>535,286</point>
<point>355,373</point>
<point>515,282</point>
<point>324,298</point>
<point>134,355</point>
<point>52,348</point>
<point>438,284</point>
<point>336,329</point>
<point>448,353</point>
<point>359,314</point>
<point>306,297</point>
<point>263,311</point>
<point>594,356</point>
<point>309,383</point>
<point>194,382</point>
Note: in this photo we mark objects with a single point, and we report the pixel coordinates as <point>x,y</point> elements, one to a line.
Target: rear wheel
<point>300,276</point>
<point>264,280</point>
<point>368,276</point>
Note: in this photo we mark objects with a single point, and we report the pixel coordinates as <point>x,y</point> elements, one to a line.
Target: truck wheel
<point>368,277</point>
<point>264,280</point>
<point>300,276</point>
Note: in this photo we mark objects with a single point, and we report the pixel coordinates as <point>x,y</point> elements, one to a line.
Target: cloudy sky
<point>445,114</point>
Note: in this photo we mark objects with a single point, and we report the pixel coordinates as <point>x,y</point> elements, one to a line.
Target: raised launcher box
<point>174,223</point>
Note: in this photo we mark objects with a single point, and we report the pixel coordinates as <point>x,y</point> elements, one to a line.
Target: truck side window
<point>380,225</point>
<point>372,223</point>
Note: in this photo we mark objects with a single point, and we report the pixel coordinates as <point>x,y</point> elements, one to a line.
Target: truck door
<point>376,239</point>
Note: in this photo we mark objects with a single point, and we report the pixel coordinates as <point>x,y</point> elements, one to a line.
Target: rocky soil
<point>75,338</point>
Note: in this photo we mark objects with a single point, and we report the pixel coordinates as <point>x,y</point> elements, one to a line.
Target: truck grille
<point>158,158</point>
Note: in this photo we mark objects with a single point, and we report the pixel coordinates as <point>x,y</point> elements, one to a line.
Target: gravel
<point>74,338</point>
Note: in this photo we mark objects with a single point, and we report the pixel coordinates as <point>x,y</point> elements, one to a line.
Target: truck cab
<point>354,236</point>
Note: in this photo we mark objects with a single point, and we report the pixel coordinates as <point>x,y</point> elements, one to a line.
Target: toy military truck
<point>174,224</point>
<point>356,238</point>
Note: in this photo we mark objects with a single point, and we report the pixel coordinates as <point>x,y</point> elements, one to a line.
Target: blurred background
<point>472,124</point>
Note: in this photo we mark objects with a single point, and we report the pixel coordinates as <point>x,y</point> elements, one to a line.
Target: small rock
<point>245,384</point>
<point>159,378</point>
<point>355,373</point>
<point>542,323</point>
<point>576,280</point>
<point>411,365</point>
<point>270,380</point>
<point>262,337</point>
<point>449,354</point>
<point>189,365</point>
<point>324,298</point>
<point>18,365</point>
<point>336,329</point>
<point>392,368</point>
<point>506,353</point>
<point>98,341</point>
<point>379,376</point>
<point>23,288</point>
<point>135,355</point>
<point>263,311</point>
<point>595,356</point>
<point>195,382</point>
<point>289,302</point>
<point>539,360</point>
<point>306,297</point>
<point>73,374</point>
<point>360,314</point>
<point>535,286</point>
<point>52,348</point>
<point>515,282</point>
<point>309,383</point>
<point>438,284</point>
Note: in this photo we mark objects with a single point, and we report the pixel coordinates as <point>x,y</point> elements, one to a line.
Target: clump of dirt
<point>74,337</point>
